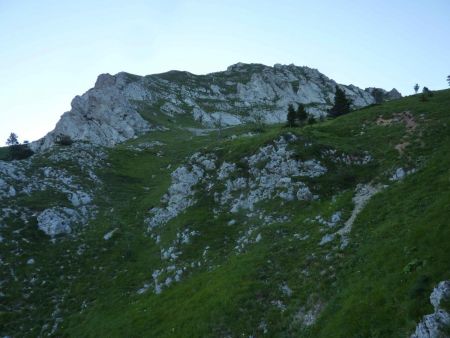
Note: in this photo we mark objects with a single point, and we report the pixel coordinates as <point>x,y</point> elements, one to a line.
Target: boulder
<point>58,220</point>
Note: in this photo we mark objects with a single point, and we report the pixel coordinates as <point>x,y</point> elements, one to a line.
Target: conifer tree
<point>341,104</point>
<point>301,114</point>
<point>12,140</point>
<point>291,116</point>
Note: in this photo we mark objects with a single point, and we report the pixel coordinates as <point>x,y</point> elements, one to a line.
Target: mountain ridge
<point>111,111</point>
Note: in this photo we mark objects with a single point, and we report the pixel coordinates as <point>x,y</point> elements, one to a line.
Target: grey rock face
<point>434,325</point>
<point>398,175</point>
<point>104,115</point>
<point>273,179</point>
<point>109,113</point>
<point>440,293</point>
<point>180,195</point>
<point>57,221</point>
<point>385,95</point>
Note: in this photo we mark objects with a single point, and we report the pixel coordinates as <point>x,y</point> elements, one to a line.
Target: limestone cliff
<point>109,113</point>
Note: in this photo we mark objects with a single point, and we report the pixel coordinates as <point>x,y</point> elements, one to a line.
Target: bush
<point>19,152</point>
<point>427,92</point>
<point>64,140</point>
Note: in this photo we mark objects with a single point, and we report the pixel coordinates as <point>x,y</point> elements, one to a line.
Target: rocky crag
<point>111,112</point>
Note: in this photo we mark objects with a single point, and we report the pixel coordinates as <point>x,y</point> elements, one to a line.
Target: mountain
<point>124,106</point>
<point>176,229</point>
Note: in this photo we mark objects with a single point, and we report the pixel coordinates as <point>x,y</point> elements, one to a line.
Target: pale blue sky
<point>51,51</point>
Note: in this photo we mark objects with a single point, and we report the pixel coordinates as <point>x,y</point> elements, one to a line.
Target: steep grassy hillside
<point>241,255</point>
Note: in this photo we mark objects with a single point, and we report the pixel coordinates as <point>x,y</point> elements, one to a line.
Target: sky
<point>51,51</point>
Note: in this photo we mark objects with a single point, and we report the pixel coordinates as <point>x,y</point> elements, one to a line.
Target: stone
<point>435,325</point>
<point>307,316</point>
<point>398,175</point>
<point>304,194</point>
<point>12,191</point>
<point>336,217</point>
<point>80,198</point>
<point>57,220</point>
<point>440,292</point>
<point>432,325</point>
<point>286,289</point>
<point>326,239</point>
<point>109,234</point>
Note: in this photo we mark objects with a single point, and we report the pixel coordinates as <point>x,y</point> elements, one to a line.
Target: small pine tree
<point>341,104</point>
<point>291,116</point>
<point>416,88</point>
<point>301,114</point>
<point>12,140</point>
<point>448,80</point>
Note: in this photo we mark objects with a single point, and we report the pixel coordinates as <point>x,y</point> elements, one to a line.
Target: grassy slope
<point>376,296</point>
<point>378,286</point>
<point>401,238</point>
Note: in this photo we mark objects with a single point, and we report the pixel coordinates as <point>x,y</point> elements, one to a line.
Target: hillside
<point>337,229</point>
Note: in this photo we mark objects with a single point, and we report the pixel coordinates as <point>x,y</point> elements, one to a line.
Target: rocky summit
<point>181,205</point>
<point>111,112</point>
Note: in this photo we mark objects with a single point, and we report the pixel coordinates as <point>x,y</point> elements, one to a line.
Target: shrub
<point>19,152</point>
<point>63,140</point>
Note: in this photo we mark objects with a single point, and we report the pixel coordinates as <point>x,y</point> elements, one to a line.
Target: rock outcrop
<point>437,324</point>
<point>381,95</point>
<point>104,115</point>
<point>111,112</point>
<point>69,196</point>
